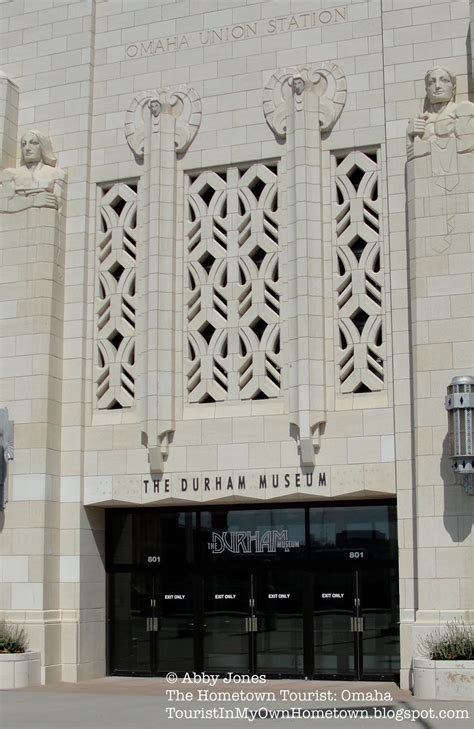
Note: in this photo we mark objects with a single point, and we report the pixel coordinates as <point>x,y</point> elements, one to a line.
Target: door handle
<point>357,625</point>
<point>152,625</point>
<point>251,624</point>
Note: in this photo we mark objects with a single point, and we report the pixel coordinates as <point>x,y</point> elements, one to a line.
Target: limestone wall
<point>98,374</point>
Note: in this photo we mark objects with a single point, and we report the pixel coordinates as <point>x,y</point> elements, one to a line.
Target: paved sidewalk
<point>141,703</point>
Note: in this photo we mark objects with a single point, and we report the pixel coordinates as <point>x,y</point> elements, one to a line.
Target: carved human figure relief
<point>445,128</point>
<point>319,87</point>
<point>181,102</point>
<point>38,182</point>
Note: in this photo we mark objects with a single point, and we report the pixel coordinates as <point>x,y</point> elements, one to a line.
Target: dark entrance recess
<point>285,591</point>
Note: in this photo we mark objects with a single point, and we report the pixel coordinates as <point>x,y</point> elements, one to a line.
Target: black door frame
<point>197,573</point>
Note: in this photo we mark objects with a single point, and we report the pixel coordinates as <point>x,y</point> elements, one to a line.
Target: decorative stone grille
<point>233,287</point>
<point>360,349</point>
<point>115,296</point>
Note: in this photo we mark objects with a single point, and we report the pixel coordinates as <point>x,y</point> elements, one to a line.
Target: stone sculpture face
<point>298,85</point>
<point>31,151</point>
<point>155,107</point>
<point>36,147</point>
<point>440,86</point>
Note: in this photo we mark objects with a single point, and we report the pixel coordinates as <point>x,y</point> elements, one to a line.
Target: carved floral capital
<point>181,102</point>
<point>287,88</point>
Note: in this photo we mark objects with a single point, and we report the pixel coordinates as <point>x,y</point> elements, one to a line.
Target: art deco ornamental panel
<point>360,349</point>
<point>115,297</point>
<point>233,287</point>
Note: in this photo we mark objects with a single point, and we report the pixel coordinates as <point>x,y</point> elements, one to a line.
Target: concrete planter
<point>443,679</point>
<point>19,670</point>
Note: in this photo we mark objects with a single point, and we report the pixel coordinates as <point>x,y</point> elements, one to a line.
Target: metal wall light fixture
<point>460,406</point>
<point>6,453</point>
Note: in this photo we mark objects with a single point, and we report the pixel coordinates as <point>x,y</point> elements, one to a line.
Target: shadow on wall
<point>470,62</point>
<point>96,522</point>
<point>454,497</point>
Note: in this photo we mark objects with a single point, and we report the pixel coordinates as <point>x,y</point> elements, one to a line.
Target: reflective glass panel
<point>380,613</point>
<point>131,648</point>
<point>279,627</point>
<point>152,537</point>
<point>334,647</point>
<point>226,640</point>
<point>369,531</point>
<point>175,613</point>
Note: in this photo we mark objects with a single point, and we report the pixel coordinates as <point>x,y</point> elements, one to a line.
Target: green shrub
<point>454,642</point>
<point>12,639</point>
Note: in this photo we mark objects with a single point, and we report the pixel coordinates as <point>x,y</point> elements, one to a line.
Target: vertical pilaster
<point>305,274</point>
<point>160,123</point>
<point>161,271</point>
<point>299,104</point>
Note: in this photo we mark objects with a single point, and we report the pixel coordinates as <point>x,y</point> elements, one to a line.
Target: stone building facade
<point>236,281</point>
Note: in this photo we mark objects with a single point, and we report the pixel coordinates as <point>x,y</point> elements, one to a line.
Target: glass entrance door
<point>279,627</point>
<point>253,623</point>
<point>131,638</point>
<point>379,611</point>
<point>174,637</point>
<point>152,623</point>
<point>334,606</point>
<point>228,642</point>
<point>355,623</point>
